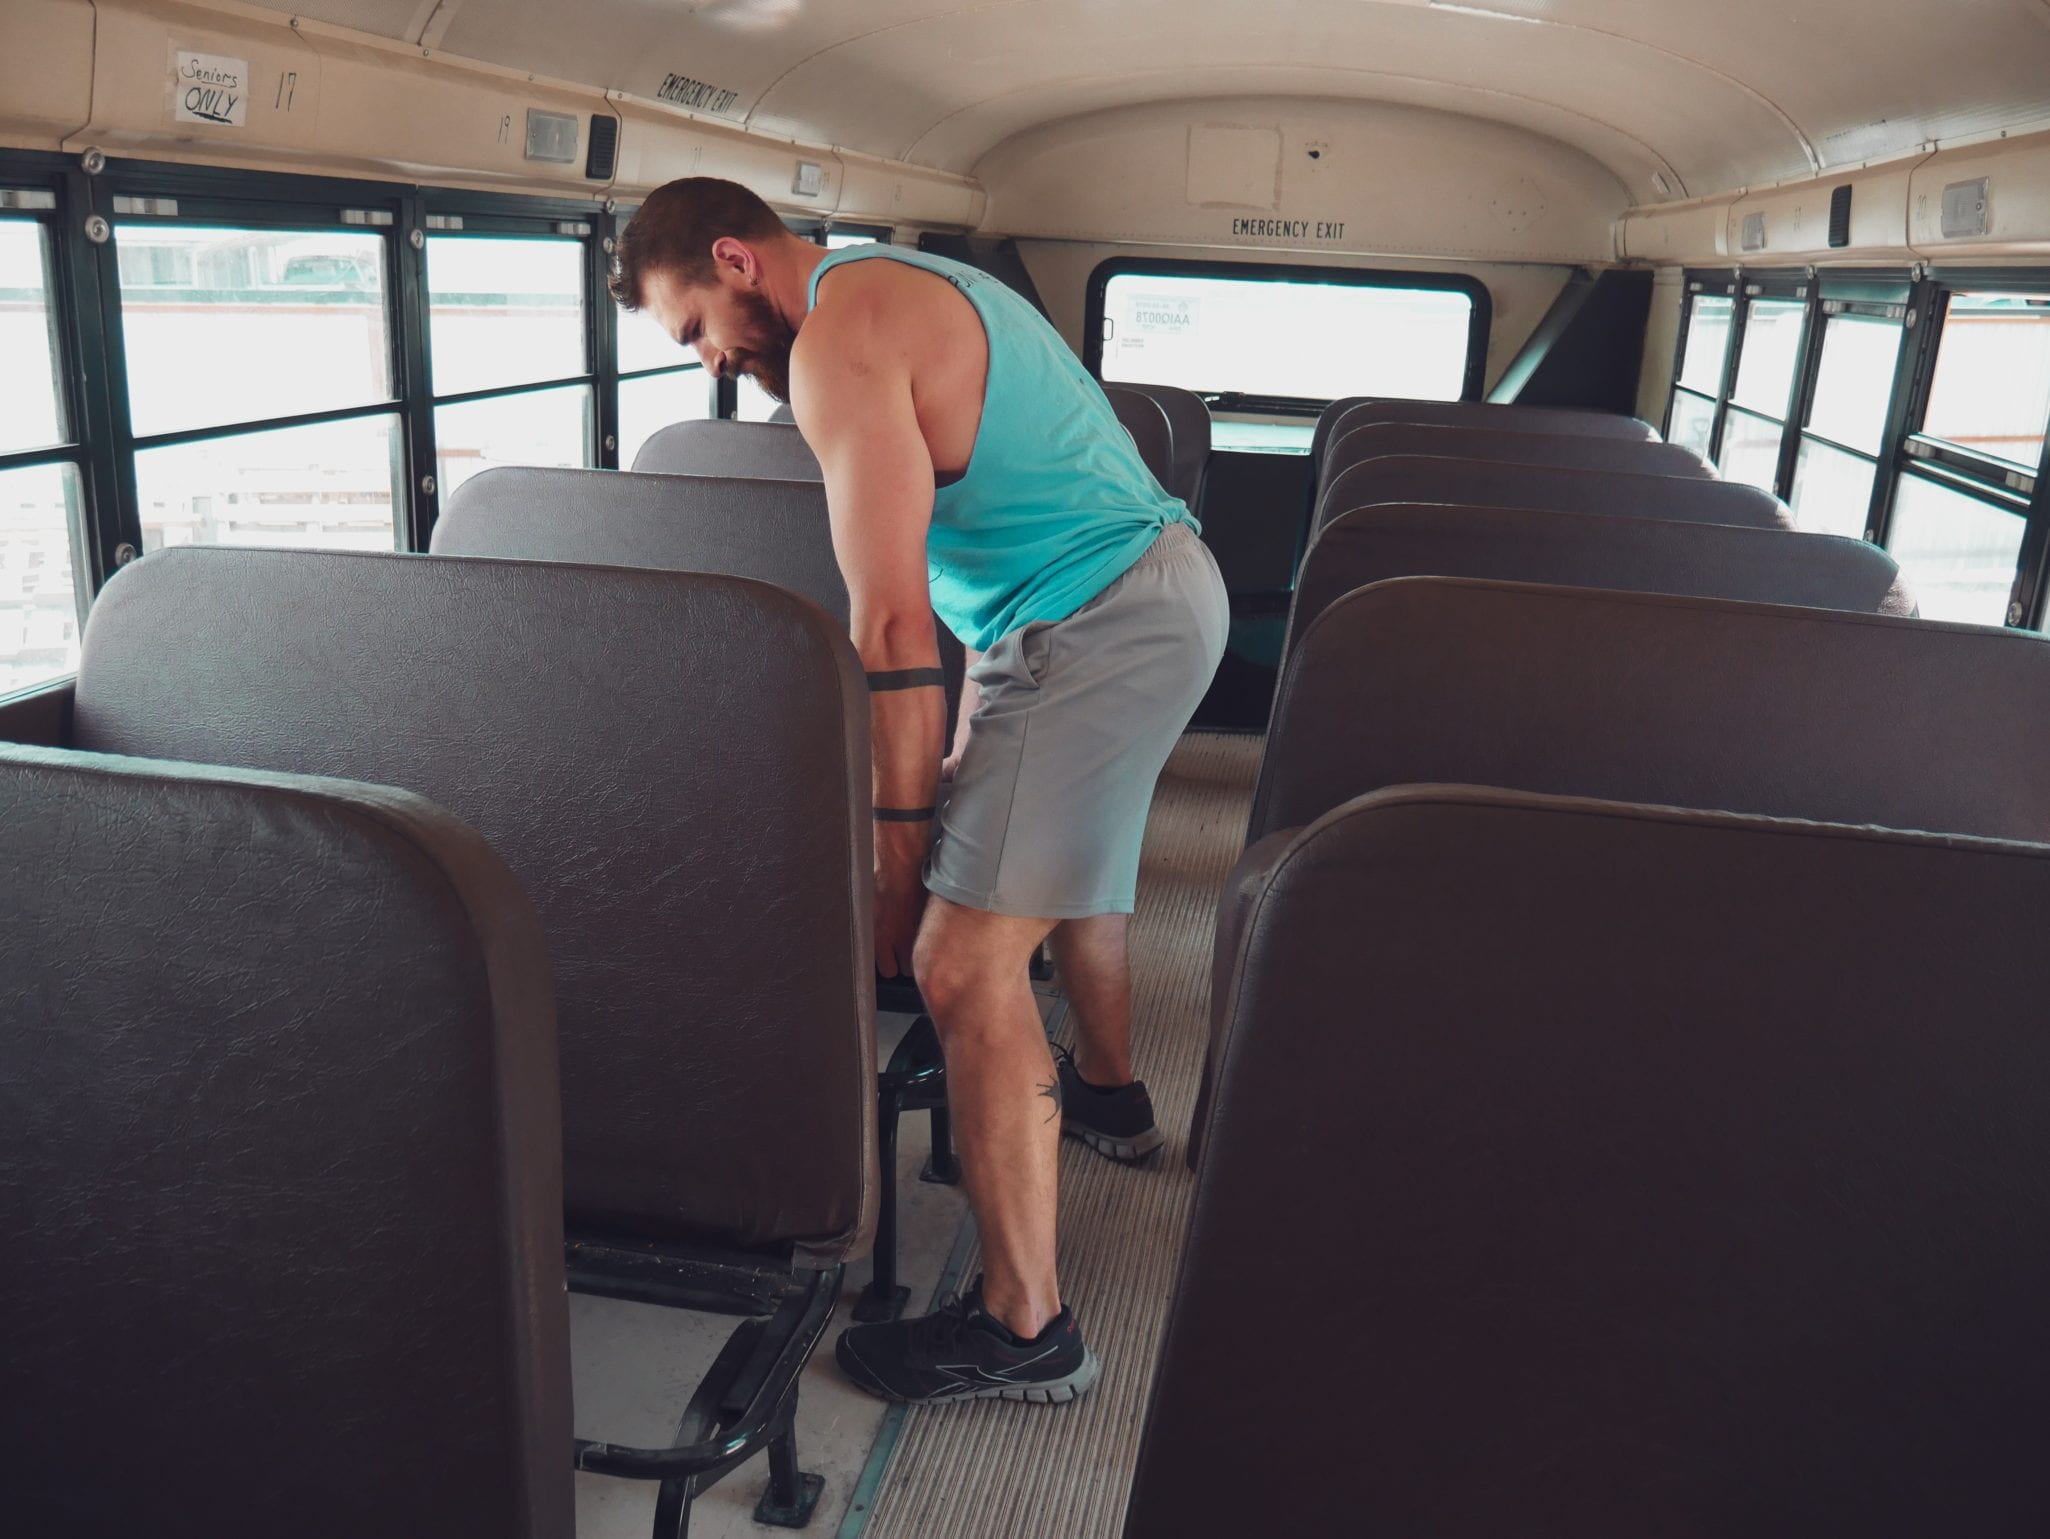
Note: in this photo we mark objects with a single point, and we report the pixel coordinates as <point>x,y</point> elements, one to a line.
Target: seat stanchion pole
<point>883,1298</point>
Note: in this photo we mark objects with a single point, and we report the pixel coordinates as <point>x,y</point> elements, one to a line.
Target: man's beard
<point>769,365</point>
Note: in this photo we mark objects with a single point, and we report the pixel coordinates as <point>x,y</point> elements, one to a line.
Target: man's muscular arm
<point>851,388</point>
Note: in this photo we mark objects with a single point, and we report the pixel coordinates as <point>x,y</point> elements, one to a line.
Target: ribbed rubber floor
<point>992,1469</point>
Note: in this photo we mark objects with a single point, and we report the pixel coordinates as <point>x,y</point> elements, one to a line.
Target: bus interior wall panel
<point>1352,177</point>
<point>43,104</point>
<point>337,102</point>
<point>997,257</point>
<point>1588,348</point>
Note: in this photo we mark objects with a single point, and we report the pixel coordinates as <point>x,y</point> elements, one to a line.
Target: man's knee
<point>959,969</point>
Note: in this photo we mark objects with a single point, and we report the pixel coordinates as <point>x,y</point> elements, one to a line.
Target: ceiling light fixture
<point>1482,10</point>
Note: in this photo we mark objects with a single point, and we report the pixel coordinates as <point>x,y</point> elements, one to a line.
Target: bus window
<point>225,328</point>
<point>506,314</point>
<point>328,485</point>
<point>1992,387</point>
<point>659,383</point>
<point>1280,333</point>
<point>30,414</point>
<point>39,624</point>
<point>1841,440</point>
<point>1957,550</point>
<point>530,427</point>
<point>1700,382</point>
<point>753,403</point>
<point>650,402</point>
<point>223,325</point>
<point>504,311</point>
<point>40,511</point>
<point>1758,401</point>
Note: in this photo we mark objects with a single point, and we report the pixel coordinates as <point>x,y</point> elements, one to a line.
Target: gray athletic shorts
<point>1048,806</point>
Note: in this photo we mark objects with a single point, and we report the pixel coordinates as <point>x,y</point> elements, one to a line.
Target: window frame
<point>1995,482</point>
<point>1919,297</point>
<point>1480,323</point>
<point>485,215</point>
<point>86,439</point>
<point>1743,289</point>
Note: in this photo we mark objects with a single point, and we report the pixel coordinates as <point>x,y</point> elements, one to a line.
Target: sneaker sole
<point>1126,1151</point>
<point>1053,1392</point>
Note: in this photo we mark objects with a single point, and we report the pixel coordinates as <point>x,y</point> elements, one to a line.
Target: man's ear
<point>736,256</point>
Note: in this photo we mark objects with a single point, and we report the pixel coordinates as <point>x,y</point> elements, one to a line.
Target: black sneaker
<point>1116,1122</point>
<point>959,1353</point>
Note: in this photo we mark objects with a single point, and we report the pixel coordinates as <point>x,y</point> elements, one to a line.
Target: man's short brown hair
<point>675,228</point>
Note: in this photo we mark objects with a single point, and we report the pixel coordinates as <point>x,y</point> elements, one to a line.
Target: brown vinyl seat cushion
<point>1594,1169</point>
<point>676,767</point>
<point>280,1162</point>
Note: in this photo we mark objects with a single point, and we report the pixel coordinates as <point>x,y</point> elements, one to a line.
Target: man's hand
<point>900,894</point>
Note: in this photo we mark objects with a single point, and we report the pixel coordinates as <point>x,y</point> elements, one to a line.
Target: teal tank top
<point>1056,502</point>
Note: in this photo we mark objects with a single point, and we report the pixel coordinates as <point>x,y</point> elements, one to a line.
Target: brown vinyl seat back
<point>1550,488</point>
<point>1674,1173</point>
<point>1348,412</point>
<point>1571,451</point>
<point>675,765</point>
<point>1146,420</point>
<point>1691,702</point>
<point>1188,420</point>
<point>1581,550</point>
<point>280,1162</point>
<point>773,451</point>
<point>770,530</point>
<point>1570,421</point>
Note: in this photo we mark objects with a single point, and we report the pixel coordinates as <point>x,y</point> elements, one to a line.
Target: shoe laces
<point>936,1337</point>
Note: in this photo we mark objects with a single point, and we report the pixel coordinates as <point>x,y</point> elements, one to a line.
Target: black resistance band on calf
<point>906,678</point>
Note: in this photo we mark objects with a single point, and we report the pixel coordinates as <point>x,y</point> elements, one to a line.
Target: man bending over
<point>974,470</point>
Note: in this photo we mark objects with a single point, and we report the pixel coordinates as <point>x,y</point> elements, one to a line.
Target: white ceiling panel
<point>1713,96</point>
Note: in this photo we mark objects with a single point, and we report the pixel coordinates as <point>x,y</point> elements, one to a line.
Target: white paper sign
<point>210,88</point>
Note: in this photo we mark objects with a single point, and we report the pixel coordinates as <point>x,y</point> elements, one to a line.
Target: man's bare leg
<point>1004,1098</point>
<point>1095,963</point>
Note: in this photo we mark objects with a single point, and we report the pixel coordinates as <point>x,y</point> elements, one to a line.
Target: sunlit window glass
<point>1751,450</point>
<point>504,310</point>
<point>1992,386</point>
<point>38,580</point>
<point>30,411</point>
<point>543,427</point>
<point>840,242</point>
<point>232,325</point>
<point>1772,345</point>
<point>1958,553</point>
<point>1693,422</point>
<point>1708,342</point>
<point>651,403</point>
<point>754,404</point>
<point>1855,383</point>
<point>1832,490</point>
<point>324,486</point>
<point>642,344</point>
<point>1289,339</point>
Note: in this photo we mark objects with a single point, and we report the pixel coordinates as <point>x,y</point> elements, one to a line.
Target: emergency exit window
<point>1286,334</point>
